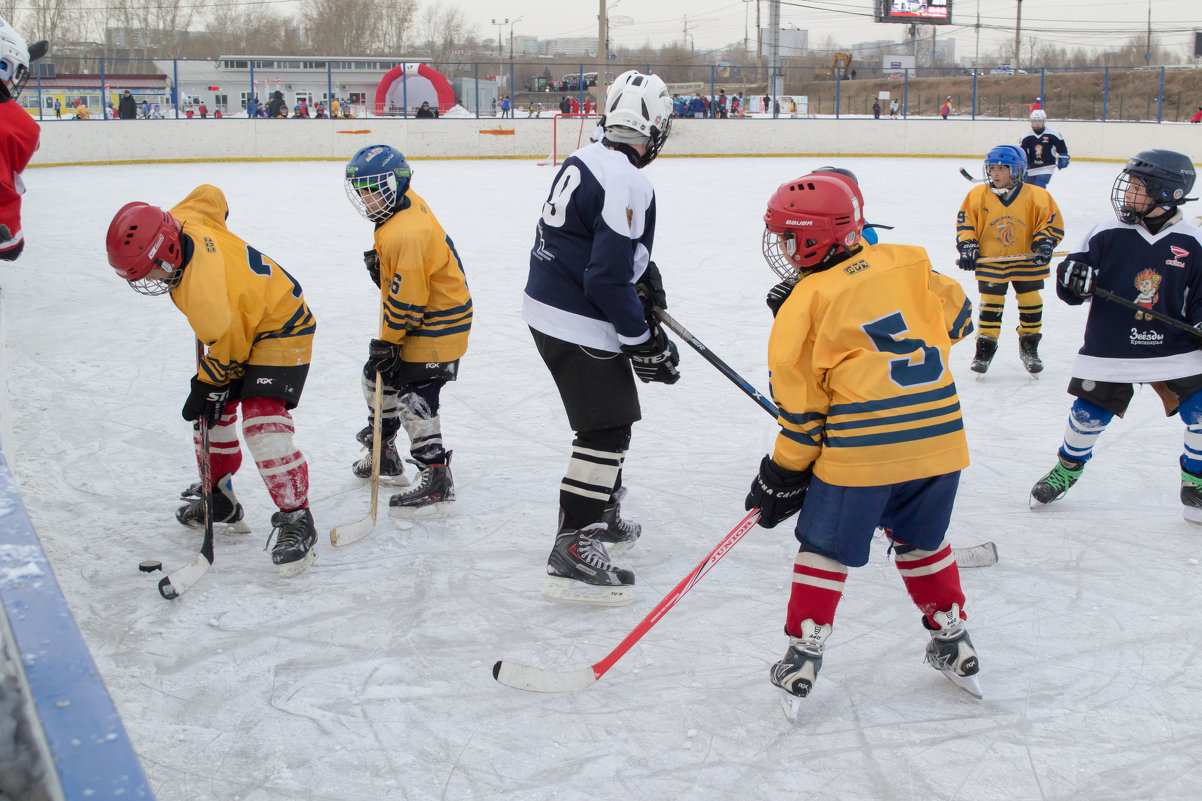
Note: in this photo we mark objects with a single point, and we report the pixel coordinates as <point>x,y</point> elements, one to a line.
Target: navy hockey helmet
<point>377,178</point>
<point>1164,178</point>
<point>1010,156</point>
<point>808,220</point>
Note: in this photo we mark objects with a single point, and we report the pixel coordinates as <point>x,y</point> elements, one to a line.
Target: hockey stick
<point>1106,294</point>
<point>352,533</point>
<point>539,680</point>
<point>982,555</point>
<point>175,584</point>
<point>1020,257</point>
<point>710,357</point>
<point>968,176</point>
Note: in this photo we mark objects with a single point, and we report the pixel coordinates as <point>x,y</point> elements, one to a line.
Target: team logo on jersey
<point>1178,253</point>
<point>1005,230</point>
<point>629,217</point>
<point>1147,282</point>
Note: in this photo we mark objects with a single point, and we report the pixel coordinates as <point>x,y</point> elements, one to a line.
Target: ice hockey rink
<point>368,678</point>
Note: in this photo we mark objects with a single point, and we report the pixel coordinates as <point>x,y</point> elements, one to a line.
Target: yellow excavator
<point>840,66</point>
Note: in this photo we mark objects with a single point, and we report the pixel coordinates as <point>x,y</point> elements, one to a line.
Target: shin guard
<point>268,429</point>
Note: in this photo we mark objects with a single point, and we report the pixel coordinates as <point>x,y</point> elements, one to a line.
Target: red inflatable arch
<point>410,84</point>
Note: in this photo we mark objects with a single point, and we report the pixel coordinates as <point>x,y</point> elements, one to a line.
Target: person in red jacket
<point>19,134</point>
<point>1197,115</point>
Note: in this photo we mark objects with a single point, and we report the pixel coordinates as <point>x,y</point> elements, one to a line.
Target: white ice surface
<point>369,677</point>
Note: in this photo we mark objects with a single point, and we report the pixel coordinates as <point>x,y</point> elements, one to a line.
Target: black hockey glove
<point>383,358</point>
<point>1043,253</point>
<point>778,294</point>
<point>1077,277</point>
<point>656,359</point>
<point>777,492</point>
<point>205,401</point>
<point>651,290</point>
<point>970,251</point>
<point>372,260</point>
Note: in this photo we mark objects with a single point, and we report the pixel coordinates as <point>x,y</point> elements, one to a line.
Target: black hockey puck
<point>150,565</point>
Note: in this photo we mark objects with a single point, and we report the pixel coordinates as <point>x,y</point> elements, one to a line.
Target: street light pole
<point>500,57</point>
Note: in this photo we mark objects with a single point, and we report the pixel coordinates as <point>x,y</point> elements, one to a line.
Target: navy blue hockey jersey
<point>1161,272</point>
<point>1042,150</point>
<point>593,242</point>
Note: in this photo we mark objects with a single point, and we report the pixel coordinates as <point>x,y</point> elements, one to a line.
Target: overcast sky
<point>716,23</point>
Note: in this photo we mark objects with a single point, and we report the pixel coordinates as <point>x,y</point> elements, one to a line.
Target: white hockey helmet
<point>14,59</point>
<point>638,109</point>
<point>1038,116</point>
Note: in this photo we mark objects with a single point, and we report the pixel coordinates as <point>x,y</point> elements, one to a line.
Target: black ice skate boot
<point>431,496</point>
<point>295,535</point>
<point>796,671</point>
<point>1058,480</point>
<point>619,535</point>
<point>227,512</point>
<point>986,347</point>
<point>950,650</point>
<point>392,470</point>
<point>1191,496</point>
<point>1028,351</point>
<point>579,570</point>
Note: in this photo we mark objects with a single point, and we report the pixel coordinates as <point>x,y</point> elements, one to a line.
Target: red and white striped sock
<point>268,429</point>
<point>932,578</point>
<point>225,456</point>
<point>817,588</point>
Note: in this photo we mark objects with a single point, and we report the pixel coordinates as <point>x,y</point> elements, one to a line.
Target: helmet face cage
<point>377,177</point>
<point>142,238</point>
<point>808,219</point>
<point>1038,119</point>
<point>642,103</point>
<point>1151,179</point>
<point>1010,156</point>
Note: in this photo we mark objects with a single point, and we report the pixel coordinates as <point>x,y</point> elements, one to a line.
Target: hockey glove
<point>777,492</point>
<point>651,290</point>
<point>970,251</point>
<point>1043,253</point>
<point>1077,277</point>
<point>778,294</point>
<point>383,358</point>
<point>205,401</point>
<point>656,359</point>
<point>372,260</point>
<point>1062,162</point>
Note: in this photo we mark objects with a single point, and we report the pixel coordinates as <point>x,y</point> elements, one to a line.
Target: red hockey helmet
<point>140,239</point>
<point>807,220</point>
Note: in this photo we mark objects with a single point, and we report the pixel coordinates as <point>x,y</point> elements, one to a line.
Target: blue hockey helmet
<point>1166,176</point>
<point>1010,156</point>
<point>377,178</point>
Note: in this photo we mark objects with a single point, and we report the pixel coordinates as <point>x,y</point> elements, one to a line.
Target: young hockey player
<point>871,432</point>
<point>1005,217</point>
<point>1045,149</point>
<point>427,315</point>
<point>1151,257</point>
<point>252,316</point>
<point>18,136</point>
<point>588,267</point>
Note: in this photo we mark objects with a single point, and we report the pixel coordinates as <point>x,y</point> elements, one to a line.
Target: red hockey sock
<point>817,588</point>
<point>932,579</point>
<point>268,429</point>
<point>225,456</point>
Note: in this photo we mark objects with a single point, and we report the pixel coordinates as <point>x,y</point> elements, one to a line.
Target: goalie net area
<point>1019,111</point>
<point>569,133</point>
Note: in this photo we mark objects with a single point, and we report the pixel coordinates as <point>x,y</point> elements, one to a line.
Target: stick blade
<point>353,532</point>
<point>983,555</point>
<point>180,581</point>
<point>524,677</point>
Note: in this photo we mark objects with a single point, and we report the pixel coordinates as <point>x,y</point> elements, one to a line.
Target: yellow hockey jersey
<point>1009,229</point>
<point>859,370</point>
<point>427,305</point>
<point>239,302</point>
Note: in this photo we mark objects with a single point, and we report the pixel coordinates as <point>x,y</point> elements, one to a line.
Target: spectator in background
<point>335,108</point>
<point>156,113</point>
<point>277,108</point>
<point>127,108</point>
<point>217,114</point>
<point>736,105</point>
<point>893,108</point>
<point>144,110</point>
<point>767,104</point>
<point>1196,118</point>
<point>58,109</point>
<point>506,106</point>
<point>1038,104</point>
<point>565,105</point>
<point>424,112</point>
<point>110,111</point>
<point>721,109</point>
<point>946,108</point>
<point>876,109</point>
<point>203,110</point>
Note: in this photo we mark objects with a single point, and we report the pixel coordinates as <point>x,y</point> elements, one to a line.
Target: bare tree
<point>396,25</point>
<point>255,30</point>
<point>333,27</point>
<point>441,31</point>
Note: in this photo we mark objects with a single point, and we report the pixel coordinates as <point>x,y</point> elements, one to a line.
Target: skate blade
<point>290,569</point>
<point>393,481</point>
<point>570,591</point>
<point>789,704</point>
<point>431,511</point>
<point>620,548</point>
<point>969,684</point>
<point>1192,514</point>
<point>1032,503</point>
<point>227,529</point>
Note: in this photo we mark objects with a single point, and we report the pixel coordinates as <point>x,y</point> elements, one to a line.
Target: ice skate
<point>986,347</point>
<point>1057,482</point>
<point>1028,351</point>
<point>295,537</point>
<point>796,672</point>
<point>579,571</point>
<point>227,512</point>
<point>392,469</point>
<point>431,496</point>
<point>619,535</point>
<point>1191,496</point>
<point>950,650</point>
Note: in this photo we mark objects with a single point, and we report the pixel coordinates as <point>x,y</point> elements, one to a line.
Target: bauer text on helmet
<point>809,221</point>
